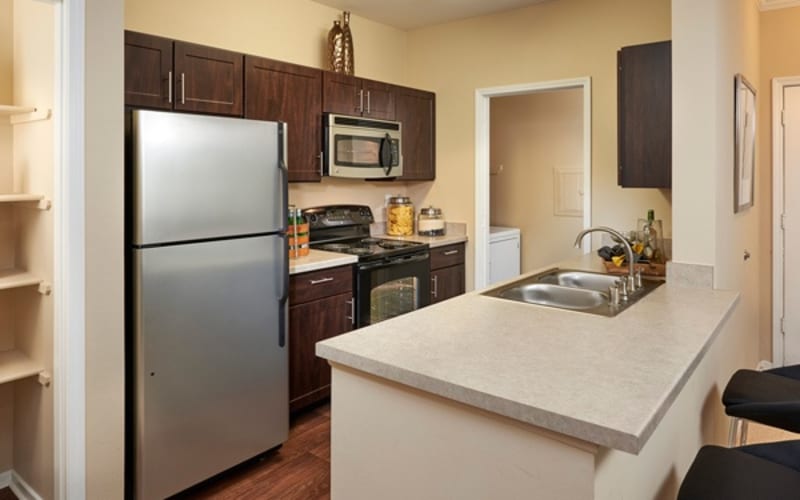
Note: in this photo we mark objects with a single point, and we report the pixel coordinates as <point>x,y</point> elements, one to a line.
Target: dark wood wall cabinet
<point>350,95</point>
<point>447,272</point>
<point>644,119</point>
<point>172,75</point>
<point>161,73</point>
<point>320,307</point>
<point>290,93</point>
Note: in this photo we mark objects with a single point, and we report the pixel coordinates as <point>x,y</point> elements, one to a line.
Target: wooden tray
<point>647,268</point>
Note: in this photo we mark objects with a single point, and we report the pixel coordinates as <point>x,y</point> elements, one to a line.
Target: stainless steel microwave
<point>362,148</point>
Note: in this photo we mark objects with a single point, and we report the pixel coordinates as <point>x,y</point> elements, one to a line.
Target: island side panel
<point>393,442</point>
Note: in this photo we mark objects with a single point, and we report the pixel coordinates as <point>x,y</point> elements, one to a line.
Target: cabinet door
<point>379,101</point>
<point>289,93</point>
<point>208,80</point>
<point>644,87</point>
<point>342,94</point>
<point>310,376</point>
<point>447,282</point>
<point>416,110</point>
<point>148,68</point>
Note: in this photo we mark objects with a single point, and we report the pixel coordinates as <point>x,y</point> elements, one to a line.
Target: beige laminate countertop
<point>319,259</point>
<point>607,381</point>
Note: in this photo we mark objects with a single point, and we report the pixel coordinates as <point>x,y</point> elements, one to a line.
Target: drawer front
<point>319,284</point>
<point>447,256</point>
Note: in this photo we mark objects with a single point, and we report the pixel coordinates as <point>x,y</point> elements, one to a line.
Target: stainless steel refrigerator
<point>208,265</point>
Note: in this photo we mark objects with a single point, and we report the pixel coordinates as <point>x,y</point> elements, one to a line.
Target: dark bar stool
<point>768,471</point>
<point>770,397</point>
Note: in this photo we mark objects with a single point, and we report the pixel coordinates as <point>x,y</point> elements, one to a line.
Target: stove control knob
<point>312,218</point>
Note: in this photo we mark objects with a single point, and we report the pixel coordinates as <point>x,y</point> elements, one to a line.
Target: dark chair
<point>768,471</point>
<point>770,397</point>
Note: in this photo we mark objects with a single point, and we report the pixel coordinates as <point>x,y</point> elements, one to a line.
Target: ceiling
<point>411,14</point>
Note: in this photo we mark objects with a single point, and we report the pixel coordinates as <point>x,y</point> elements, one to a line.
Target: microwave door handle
<point>386,154</point>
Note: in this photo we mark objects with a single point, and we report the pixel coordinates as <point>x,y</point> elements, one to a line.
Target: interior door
<point>791,241</point>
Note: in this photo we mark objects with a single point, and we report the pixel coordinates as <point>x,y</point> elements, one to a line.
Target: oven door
<point>389,288</point>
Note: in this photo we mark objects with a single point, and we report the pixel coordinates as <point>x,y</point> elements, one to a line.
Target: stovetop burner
<point>345,229</point>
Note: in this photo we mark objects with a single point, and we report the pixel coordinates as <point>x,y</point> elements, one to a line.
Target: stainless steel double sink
<point>574,290</point>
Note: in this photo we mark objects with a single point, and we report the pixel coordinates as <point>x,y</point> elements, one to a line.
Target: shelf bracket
<point>45,378</point>
<point>34,116</point>
<point>45,288</point>
<point>44,204</point>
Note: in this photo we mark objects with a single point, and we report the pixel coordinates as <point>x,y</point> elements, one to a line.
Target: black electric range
<point>392,277</point>
<point>345,229</point>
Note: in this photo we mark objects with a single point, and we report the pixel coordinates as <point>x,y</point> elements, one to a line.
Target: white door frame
<point>69,346</point>
<point>778,84</point>
<point>482,142</point>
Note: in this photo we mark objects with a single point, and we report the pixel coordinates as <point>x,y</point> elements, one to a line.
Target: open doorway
<point>532,168</point>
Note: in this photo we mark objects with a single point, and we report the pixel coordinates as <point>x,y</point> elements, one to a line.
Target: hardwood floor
<point>299,470</point>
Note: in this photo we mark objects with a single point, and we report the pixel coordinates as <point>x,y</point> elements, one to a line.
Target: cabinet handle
<point>320,281</point>
<point>450,252</point>
<point>169,88</point>
<point>361,101</point>
<point>435,291</point>
<point>321,163</point>
<point>368,99</point>
<point>352,316</point>
<point>183,88</point>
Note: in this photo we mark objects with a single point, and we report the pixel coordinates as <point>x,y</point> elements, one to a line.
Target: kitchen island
<point>480,397</point>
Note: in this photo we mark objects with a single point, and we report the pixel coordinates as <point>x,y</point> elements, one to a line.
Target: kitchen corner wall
<point>295,32</point>
<point>780,44</point>
<point>550,41</point>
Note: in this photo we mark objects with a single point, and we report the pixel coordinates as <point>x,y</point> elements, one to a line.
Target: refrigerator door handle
<point>284,172</point>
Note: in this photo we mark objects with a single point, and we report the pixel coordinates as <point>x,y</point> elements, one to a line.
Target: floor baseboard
<point>23,491</point>
<point>5,479</point>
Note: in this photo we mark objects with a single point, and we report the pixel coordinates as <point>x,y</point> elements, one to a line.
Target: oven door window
<point>387,290</point>
<point>393,299</point>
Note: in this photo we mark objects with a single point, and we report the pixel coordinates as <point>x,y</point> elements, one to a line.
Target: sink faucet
<point>621,238</point>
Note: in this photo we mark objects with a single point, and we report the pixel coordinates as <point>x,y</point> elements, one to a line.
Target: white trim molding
<point>23,491</point>
<point>778,84</point>
<point>777,4</point>
<point>482,143</point>
<point>69,354</point>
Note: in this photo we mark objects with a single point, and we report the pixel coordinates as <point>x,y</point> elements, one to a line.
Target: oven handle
<point>397,261</point>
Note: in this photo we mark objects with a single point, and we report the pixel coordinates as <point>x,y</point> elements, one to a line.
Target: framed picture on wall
<point>744,144</point>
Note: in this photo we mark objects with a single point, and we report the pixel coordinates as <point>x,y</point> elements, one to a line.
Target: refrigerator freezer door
<point>197,177</point>
<point>211,375</point>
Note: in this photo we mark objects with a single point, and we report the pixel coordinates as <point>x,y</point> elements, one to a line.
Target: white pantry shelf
<point>15,278</point>
<point>15,365</point>
<point>44,203</point>
<point>24,114</point>
<point>6,110</point>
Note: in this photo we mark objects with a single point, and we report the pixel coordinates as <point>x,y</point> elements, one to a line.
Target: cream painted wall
<point>104,166</point>
<point>550,41</point>
<point>530,136</point>
<point>33,84</point>
<point>6,229</point>
<point>705,228</point>
<point>296,32</point>
<point>780,44</point>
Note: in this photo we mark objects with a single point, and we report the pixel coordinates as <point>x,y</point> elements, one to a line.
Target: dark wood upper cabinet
<point>416,110</point>
<point>166,74</point>
<point>290,93</point>
<point>353,96</point>
<point>148,70</point>
<point>209,80</point>
<point>644,120</point>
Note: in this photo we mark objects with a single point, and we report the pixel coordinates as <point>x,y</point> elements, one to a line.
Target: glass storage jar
<point>400,216</point>
<point>431,222</point>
